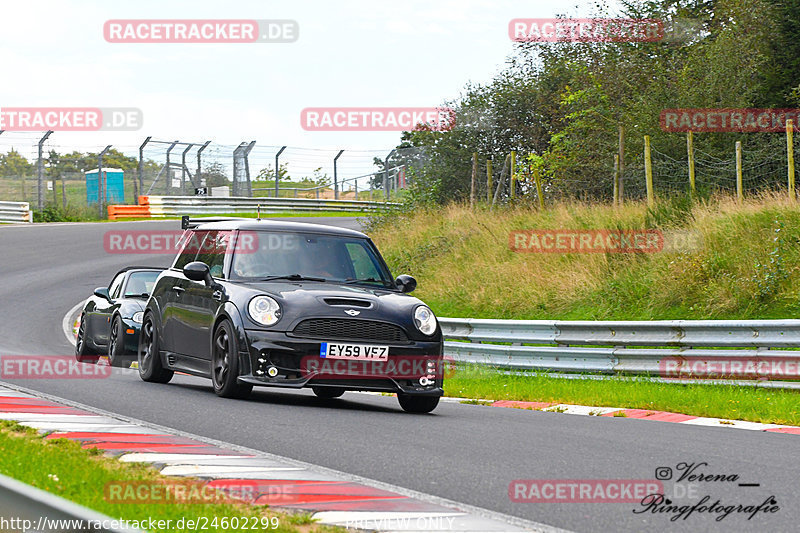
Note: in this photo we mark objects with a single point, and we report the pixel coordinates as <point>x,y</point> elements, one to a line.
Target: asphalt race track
<point>466,453</point>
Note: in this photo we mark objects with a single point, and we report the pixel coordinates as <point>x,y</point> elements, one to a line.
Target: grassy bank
<point>63,468</point>
<point>744,263</point>
<point>747,264</point>
<point>770,406</point>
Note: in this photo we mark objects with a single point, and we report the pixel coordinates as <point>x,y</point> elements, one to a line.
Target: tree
<point>13,165</point>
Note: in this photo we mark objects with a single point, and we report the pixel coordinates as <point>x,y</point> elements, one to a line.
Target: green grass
<point>717,401</point>
<point>63,468</point>
<point>748,264</point>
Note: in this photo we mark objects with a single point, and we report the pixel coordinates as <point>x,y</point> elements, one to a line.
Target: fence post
<point>616,180</point>
<point>63,193</point>
<point>140,167</point>
<point>500,181</point>
<point>489,180</point>
<point>40,170</point>
<point>790,156</point>
<point>690,154</point>
<point>621,186</point>
<point>648,172</point>
<point>739,192</point>
<point>336,176</point>
<point>537,177</point>
<point>513,175</point>
<point>474,178</point>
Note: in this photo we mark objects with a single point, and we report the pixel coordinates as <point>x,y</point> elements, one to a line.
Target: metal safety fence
<point>15,212</point>
<point>170,206</point>
<point>760,352</point>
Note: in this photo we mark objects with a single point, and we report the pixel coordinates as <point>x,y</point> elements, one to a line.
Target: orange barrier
<point>115,212</point>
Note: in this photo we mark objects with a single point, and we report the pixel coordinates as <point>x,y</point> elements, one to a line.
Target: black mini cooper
<point>287,304</point>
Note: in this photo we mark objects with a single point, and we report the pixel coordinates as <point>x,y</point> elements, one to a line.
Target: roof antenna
<point>258,212</point>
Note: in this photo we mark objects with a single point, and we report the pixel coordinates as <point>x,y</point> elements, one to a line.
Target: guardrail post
<point>40,170</point>
<point>648,172</point>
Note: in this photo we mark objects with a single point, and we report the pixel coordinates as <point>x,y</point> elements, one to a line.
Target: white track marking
<point>66,325</point>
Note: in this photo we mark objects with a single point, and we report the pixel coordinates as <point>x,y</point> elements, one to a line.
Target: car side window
<point>213,251</point>
<point>191,240</point>
<point>363,267</point>
<point>116,286</point>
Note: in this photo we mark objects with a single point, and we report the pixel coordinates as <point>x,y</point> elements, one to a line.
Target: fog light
<point>272,371</point>
<point>425,381</point>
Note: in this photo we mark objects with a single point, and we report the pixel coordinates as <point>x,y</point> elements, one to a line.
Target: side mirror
<point>405,283</point>
<point>102,292</point>
<point>198,271</point>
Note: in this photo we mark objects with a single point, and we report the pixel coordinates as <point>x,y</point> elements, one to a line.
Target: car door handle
<point>178,289</point>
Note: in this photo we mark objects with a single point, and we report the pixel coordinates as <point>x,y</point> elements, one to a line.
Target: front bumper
<point>298,364</point>
<point>131,340</point>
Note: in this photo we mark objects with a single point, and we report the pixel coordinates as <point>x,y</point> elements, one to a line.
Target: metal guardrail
<point>664,349</point>
<point>26,508</point>
<point>195,205</point>
<point>15,212</point>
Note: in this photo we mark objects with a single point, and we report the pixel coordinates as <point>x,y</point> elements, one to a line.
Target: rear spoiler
<point>190,223</point>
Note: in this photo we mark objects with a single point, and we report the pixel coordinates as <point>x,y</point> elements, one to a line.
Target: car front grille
<point>347,329</point>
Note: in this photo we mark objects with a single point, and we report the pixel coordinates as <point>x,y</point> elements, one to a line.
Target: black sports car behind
<point>112,317</point>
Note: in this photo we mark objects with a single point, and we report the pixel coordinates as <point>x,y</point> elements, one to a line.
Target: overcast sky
<point>355,53</point>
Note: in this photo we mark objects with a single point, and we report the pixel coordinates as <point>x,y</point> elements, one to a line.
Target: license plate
<point>354,352</point>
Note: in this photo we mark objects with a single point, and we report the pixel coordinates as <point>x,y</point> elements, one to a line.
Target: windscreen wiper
<point>144,295</point>
<point>367,280</point>
<point>293,277</point>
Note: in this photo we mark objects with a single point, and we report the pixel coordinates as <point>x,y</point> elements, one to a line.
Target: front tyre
<point>417,404</point>
<point>150,368</point>
<point>327,393</point>
<point>225,363</point>
<point>82,352</point>
<point>116,345</point>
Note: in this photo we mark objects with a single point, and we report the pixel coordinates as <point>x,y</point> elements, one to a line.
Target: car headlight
<point>138,317</point>
<point>424,320</point>
<point>264,310</point>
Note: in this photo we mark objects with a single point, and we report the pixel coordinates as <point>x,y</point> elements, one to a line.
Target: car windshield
<point>140,284</point>
<point>308,257</point>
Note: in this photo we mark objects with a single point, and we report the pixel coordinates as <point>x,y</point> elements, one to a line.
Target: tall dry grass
<point>746,266</point>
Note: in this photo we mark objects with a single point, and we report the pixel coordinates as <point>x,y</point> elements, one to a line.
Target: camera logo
<point>663,473</point>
